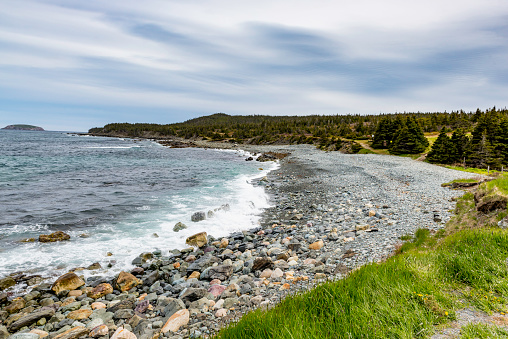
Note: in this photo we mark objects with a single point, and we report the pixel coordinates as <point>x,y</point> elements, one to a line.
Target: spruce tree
<point>459,145</point>
<point>440,152</point>
<point>409,139</point>
<point>383,134</point>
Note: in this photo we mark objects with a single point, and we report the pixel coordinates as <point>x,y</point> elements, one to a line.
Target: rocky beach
<point>330,214</point>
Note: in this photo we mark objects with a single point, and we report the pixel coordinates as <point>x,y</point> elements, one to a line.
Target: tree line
<point>400,133</point>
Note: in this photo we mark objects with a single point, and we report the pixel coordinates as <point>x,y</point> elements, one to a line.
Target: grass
<point>474,331</point>
<point>475,170</point>
<point>404,297</point>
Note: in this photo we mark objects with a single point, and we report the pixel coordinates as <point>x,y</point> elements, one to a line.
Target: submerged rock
<point>179,226</point>
<point>56,236</point>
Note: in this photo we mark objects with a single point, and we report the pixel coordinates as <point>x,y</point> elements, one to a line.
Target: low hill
<point>21,127</point>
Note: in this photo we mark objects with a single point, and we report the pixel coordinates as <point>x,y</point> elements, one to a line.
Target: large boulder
<point>55,236</point>
<point>6,282</point>
<point>69,281</point>
<point>126,281</point>
<point>198,240</point>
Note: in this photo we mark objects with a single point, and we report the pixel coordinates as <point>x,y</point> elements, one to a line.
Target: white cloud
<point>277,57</point>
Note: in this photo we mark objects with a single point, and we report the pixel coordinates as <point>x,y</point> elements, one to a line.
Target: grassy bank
<point>410,295</point>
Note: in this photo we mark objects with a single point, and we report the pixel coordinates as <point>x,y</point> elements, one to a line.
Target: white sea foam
<point>128,238</point>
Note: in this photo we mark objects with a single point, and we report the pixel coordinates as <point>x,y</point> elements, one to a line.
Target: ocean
<point>116,198</point>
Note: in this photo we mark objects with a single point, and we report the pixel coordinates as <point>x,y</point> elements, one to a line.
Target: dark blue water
<point>112,195</point>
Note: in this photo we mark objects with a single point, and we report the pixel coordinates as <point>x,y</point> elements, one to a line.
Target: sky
<point>71,65</point>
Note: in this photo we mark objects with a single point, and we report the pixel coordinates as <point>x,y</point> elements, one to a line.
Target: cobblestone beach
<point>331,213</point>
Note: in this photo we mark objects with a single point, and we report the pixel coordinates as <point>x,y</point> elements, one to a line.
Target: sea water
<point>116,198</point>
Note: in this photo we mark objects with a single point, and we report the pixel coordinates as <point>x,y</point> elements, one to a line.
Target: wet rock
<point>31,318</point>
<point>94,266</point>
<point>6,282</point>
<point>67,282</point>
<point>100,291</point>
<point>127,281</point>
<point>15,306</point>
<point>151,278</point>
<point>177,320</point>
<point>198,216</point>
<point>179,226</point>
<point>53,237</point>
<point>198,240</point>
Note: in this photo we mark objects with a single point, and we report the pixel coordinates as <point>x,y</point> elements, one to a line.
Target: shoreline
<point>332,213</point>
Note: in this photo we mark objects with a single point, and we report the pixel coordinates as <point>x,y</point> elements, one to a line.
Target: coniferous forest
<point>474,139</point>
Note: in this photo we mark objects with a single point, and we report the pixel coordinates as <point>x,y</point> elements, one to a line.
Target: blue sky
<point>73,64</point>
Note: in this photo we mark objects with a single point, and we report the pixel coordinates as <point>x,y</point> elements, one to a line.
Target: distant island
<point>24,128</point>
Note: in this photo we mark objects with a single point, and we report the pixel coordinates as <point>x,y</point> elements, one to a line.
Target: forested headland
<point>474,139</point>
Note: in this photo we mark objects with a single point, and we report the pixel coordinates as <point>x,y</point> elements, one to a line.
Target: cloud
<point>168,61</point>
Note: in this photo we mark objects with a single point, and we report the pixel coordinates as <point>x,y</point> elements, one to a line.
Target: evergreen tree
<point>409,139</point>
<point>383,134</point>
<point>440,152</point>
<point>415,129</point>
<point>459,144</point>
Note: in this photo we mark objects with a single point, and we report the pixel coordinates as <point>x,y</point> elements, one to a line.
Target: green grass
<point>501,183</point>
<point>473,170</point>
<point>475,331</point>
<point>406,296</point>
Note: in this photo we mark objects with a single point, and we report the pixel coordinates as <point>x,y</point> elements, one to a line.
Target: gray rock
<point>123,314</point>
<point>192,294</point>
<point>198,216</point>
<point>221,272</point>
<point>168,306</point>
<point>71,307</point>
<point>200,264</point>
